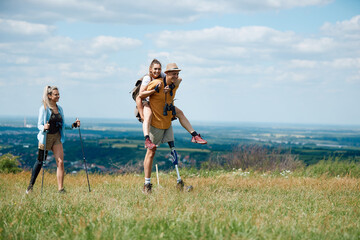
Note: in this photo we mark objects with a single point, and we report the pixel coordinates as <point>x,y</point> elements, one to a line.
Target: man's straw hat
<point>171,67</point>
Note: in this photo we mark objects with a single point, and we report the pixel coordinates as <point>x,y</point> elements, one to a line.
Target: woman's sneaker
<point>198,139</point>
<point>149,144</point>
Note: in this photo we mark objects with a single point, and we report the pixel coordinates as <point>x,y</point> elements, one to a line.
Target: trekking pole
<point>82,148</point>
<point>157,174</point>
<point>44,162</point>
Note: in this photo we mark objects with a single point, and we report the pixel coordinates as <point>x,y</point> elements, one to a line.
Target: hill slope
<point>224,205</point>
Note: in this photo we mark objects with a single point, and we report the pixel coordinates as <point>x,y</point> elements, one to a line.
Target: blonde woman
<point>51,125</point>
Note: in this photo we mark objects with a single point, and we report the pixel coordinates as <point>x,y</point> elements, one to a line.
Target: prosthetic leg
<point>174,160</point>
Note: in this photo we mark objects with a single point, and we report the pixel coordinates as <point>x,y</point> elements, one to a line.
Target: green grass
<point>223,205</point>
<point>334,167</point>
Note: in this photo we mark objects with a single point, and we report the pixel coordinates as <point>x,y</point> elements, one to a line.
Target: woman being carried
<point>142,103</point>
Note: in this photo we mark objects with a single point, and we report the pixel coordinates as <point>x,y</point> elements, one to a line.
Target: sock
<point>194,133</point>
<point>146,137</point>
<point>147,180</point>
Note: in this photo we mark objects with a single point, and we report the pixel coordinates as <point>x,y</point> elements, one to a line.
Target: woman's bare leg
<point>147,119</point>
<point>59,157</point>
<point>140,107</point>
<point>146,126</point>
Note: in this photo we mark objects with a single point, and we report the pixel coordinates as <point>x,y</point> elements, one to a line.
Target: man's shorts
<point>158,136</point>
<point>145,101</point>
<point>51,140</point>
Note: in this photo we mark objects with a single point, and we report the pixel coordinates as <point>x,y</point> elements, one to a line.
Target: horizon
<point>176,123</point>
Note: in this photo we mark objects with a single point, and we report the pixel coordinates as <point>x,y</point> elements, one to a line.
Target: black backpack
<point>134,94</point>
<point>136,89</point>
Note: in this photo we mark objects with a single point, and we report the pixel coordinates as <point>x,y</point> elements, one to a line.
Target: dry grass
<point>223,206</point>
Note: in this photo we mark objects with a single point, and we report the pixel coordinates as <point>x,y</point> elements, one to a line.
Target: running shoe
<point>198,139</point>
<point>149,144</point>
<point>147,188</point>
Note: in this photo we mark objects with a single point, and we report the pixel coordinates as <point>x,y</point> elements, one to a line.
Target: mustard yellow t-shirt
<point>157,104</point>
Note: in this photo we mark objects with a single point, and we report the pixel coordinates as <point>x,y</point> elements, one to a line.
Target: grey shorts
<point>145,101</point>
<point>158,136</point>
<point>51,140</point>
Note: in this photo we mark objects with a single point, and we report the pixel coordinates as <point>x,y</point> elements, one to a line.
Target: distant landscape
<point>117,146</point>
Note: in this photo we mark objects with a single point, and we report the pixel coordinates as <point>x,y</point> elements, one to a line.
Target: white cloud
<point>346,63</point>
<point>262,5</point>
<point>339,63</point>
<point>221,35</point>
<point>219,44</point>
<point>355,79</point>
<point>252,44</point>
<point>258,57</point>
<point>8,26</point>
<point>141,11</point>
<point>22,60</point>
<point>57,47</point>
<point>315,45</point>
<point>63,59</point>
<point>344,29</point>
<point>108,43</point>
<point>290,77</point>
<point>298,63</point>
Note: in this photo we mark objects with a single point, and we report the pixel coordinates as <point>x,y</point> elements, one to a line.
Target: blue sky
<point>284,61</point>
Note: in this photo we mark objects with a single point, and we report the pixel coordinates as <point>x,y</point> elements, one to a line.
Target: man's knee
<point>151,152</point>
<point>41,155</point>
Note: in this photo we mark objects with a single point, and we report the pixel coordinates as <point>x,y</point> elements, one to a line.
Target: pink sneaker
<point>198,139</point>
<point>149,144</point>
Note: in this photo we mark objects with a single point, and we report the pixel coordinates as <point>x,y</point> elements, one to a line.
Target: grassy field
<point>222,206</point>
